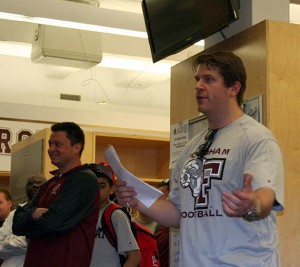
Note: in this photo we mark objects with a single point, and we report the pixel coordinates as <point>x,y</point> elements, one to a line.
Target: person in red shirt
<point>61,219</point>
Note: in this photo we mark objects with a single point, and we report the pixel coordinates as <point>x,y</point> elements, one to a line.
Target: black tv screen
<point>173,25</point>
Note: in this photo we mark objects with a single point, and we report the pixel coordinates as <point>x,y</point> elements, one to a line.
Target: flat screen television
<point>173,25</point>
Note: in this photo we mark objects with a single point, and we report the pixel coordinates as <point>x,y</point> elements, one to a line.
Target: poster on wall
<point>181,133</point>
<point>253,107</point>
<point>174,247</point>
<point>179,138</point>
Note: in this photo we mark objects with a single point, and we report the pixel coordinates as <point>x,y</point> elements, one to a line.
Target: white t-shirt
<point>208,236</point>
<point>104,254</point>
<point>12,248</point>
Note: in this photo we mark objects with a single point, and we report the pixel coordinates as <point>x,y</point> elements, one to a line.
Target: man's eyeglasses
<point>37,184</point>
<point>203,148</point>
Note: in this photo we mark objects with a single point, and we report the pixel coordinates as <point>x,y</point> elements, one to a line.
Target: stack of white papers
<point>146,193</point>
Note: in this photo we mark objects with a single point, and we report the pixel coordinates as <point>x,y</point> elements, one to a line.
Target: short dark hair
<point>37,177</point>
<point>6,194</point>
<point>74,133</point>
<point>230,67</point>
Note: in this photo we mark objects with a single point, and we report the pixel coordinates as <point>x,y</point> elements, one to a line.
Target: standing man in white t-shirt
<point>228,182</point>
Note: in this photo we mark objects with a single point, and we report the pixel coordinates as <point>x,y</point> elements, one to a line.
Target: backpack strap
<point>108,228</point>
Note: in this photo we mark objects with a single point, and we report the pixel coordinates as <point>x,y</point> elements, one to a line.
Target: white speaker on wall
<point>66,47</point>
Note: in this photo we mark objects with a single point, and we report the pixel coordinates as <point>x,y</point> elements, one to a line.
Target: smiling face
<point>62,153</point>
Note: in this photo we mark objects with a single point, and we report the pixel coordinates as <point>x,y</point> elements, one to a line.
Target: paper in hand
<point>146,193</point>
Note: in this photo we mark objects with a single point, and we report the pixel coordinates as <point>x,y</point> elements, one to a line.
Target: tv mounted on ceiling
<point>173,25</point>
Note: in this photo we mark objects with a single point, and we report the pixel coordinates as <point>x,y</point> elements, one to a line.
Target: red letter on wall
<point>23,134</point>
<point>5,140</point>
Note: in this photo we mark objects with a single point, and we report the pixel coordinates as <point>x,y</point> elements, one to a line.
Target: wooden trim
<point>4,174</point>
<point>115,130</point>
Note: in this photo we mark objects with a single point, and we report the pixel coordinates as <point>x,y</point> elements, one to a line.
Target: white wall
<point>30,99</point>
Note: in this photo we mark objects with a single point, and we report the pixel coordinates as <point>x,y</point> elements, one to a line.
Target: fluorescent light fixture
<point>131,63</point>
<point>15,49</point>
<point>102,102</point>
<point>73,25</point>
<point>294,13</point>
<point>200,43</point>
<point>108,60</point>
<point>77,25</point>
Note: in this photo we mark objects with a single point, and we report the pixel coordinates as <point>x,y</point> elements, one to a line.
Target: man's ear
<point>77,147</point>
<point>112,189</point>
<point>235,88</point>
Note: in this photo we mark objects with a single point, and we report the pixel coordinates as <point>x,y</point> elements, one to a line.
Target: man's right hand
<point>125,194</point>
<point>38,213</point>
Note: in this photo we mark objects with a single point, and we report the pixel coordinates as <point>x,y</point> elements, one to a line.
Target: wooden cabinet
<point>271,53</point>
<point>147,157</point>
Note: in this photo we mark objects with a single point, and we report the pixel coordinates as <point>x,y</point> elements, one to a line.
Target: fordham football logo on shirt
<point>199,178</point>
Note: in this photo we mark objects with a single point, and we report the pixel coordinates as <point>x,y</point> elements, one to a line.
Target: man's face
<point>5,207</point>
<point>211,94</point>
<point>60,150</point>
<point>32,186</point>
<point>105,190</point>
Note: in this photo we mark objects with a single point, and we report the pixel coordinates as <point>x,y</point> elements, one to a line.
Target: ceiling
<point>23,81</point>
<point>147,88</point>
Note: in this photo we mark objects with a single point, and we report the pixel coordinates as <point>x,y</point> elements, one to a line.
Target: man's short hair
<point>229,65</point>
<point>6,194</point>
<point>37,177</point>
<point>74,133</point>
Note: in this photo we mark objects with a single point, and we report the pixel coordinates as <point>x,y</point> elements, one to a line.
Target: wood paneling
<point>145,157</point>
